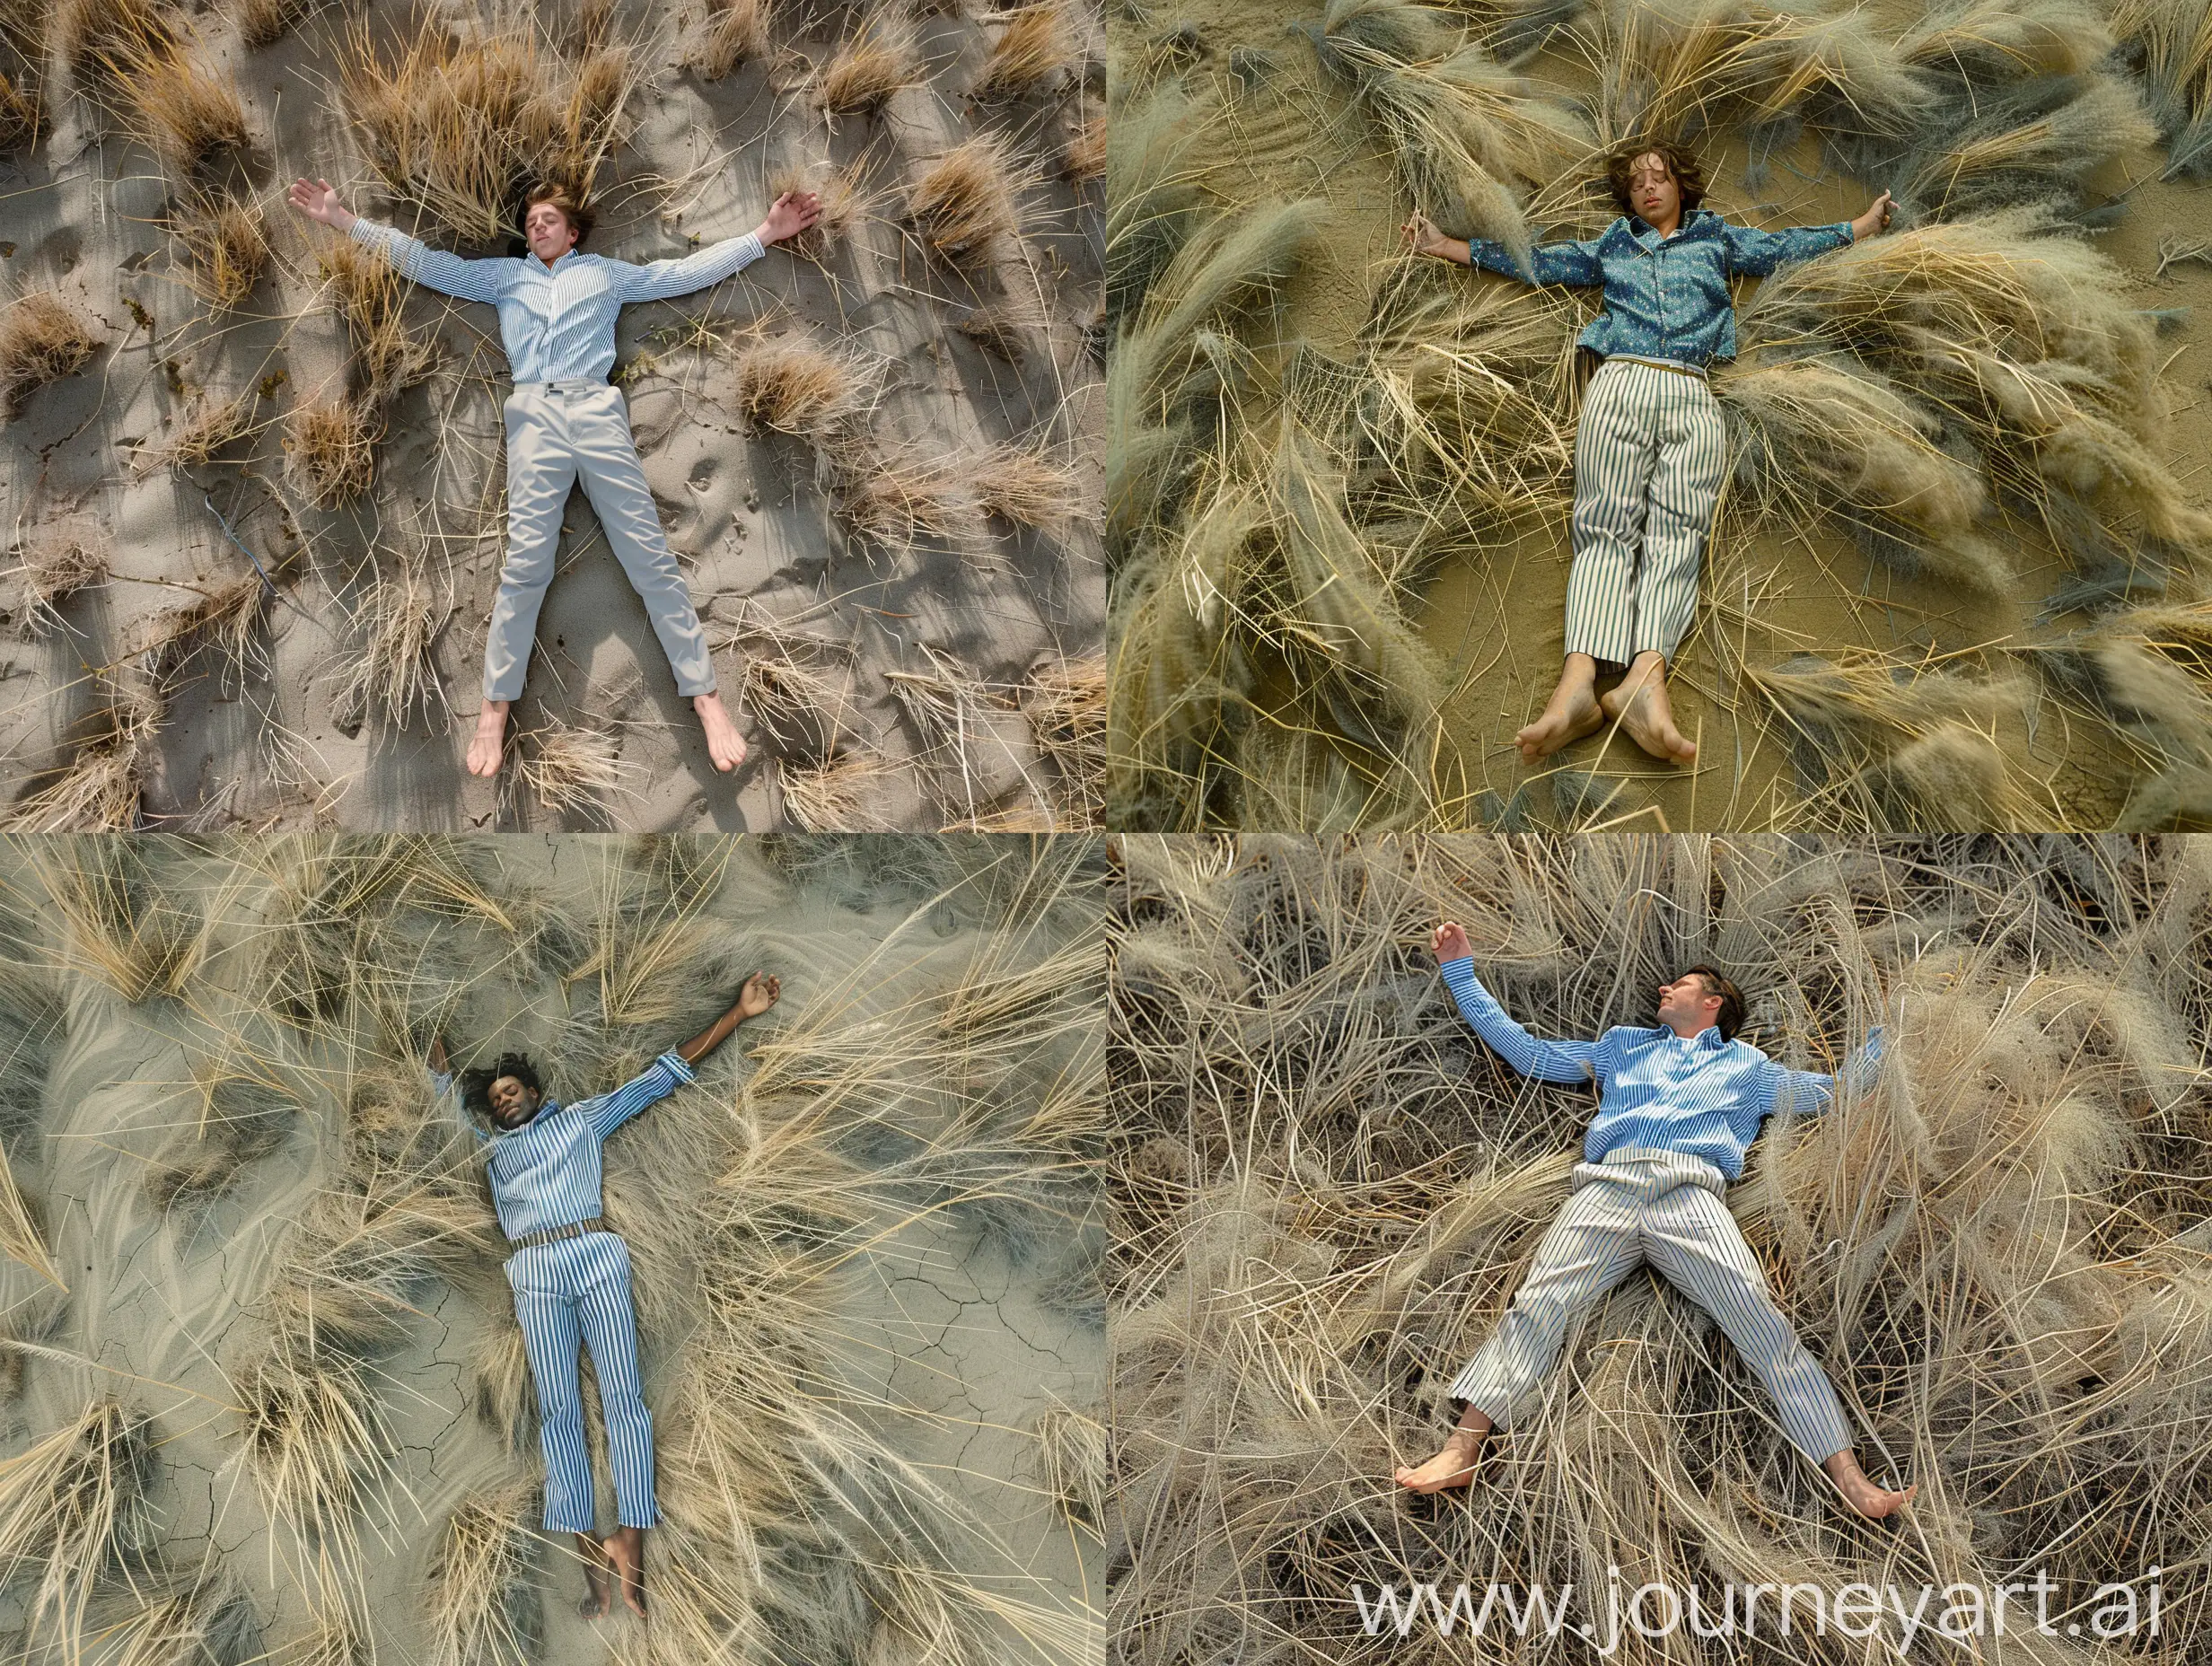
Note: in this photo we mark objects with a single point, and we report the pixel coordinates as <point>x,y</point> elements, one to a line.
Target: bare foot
<point>1860,1493</point>
<point>1639,704</point>
<point>1455,1466</point>
<point>491,731</point>
<point>594,1601</point>
<point>1572,712</point>
<point>725,745</point>
<point>626,1554</point>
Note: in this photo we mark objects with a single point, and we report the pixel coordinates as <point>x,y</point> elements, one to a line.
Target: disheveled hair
<point>571,207</point>
<point>476,1085</point>
<point>1731,1015</point>
<point>1681,160</point>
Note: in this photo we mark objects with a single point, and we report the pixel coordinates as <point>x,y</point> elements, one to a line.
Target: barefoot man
<point>1650,448</point>
<point>567,424</point>
<point>571,1278</point>
<point>1678,1105</point>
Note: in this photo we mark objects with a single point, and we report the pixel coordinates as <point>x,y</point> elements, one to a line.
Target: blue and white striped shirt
<point>546,1172</point>
<point>558,322</point>
<point>1664,297</point>
<point>1705,1096</point>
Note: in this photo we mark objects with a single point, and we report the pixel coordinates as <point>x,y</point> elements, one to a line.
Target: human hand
<point>1450,942</point>
<point>1421,236</point>
<point>1876,218</point>
<point>761,991</point>
<point>789,214</point>
<point>318,200</point>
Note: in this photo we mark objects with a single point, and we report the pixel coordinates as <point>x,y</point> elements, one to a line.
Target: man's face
<point>548,232</point>
<point>1687,1004</point>
<point>511,1103</point>
<point>1652,189</point>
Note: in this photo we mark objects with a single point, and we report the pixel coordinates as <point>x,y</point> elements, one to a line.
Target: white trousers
<point>1649,453</point>
<point>1666,1208</point>
<point>559,433</point>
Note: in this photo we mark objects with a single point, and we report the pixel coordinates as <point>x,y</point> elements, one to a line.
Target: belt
<point>1678,370</point>
<point>546,1235</point>
<point>576,385</point>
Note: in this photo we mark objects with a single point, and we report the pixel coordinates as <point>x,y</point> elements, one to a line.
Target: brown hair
<point>571,206</point>
<point>1689,176</point>
<point>1731,1017</point>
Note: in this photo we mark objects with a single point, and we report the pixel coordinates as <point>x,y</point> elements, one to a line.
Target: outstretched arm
<point>1569,263</point>
<point>1754,253</point>
<point>673,1069</point>
<point>434,268</point>
<point>1808,1092</point>
<point>441,1087</point>
<point>761,991</point>
<point>660,280</point>
<point>1547,1061</point>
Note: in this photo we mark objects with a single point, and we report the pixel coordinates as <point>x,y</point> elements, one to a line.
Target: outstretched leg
<point>615,481</point>
<point>1697,1245</point>
<point>546,1305</point>
<point>541,468</point>
<point>608,1318</point>
<point>1590,1247</point>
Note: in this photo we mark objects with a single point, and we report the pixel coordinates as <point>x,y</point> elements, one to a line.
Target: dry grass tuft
<point>332,444</point>
<point>484,1607</point>
<point>1035,46</point>
<point>1021,485</point>
<point>1082,155</point>
<point>570,767</point>
<point>846,794</point>
<point>93,36</point>
<point>190,115</point>
<point>876,60</point>
<point>1073,1450</point>
<point>213,427</point>
<point>24,31</point>
<point>264,22</point>
<point>899,498</point>
<point>97,791</point>
<point>369,294</point>
<point>846,202</point>
<point>1066,704</point>
<point>459,126</point>
<point>968,201</point>
<point>225,247</point>
<point>791,385</point>
<point>55,567</point>
<point>737,32</point>
<point>41,339</point>
<point>389,675</point>
<point>74,1511</point>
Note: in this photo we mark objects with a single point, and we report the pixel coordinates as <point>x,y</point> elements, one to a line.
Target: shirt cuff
<point>441,1083</point>
<point>676,1066</point>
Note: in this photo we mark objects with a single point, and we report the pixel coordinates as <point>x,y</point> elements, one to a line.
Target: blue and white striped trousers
<point>567,1292</point>
<point>1649,453</point>
<point>1664,1207</point>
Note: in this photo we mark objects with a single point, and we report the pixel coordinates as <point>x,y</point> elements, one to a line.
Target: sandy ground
<point>1495,616</point>
<point>944,1331</point>
<point>266,743</point>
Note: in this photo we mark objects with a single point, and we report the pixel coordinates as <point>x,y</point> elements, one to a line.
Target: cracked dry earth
<point>866,1245</point>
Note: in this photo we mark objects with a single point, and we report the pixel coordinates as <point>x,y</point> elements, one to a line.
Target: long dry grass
<point>225,244</point>
<point>966,204</point>
<point>1328,1190</point>
<point>878,59</point>
<point>1034,47</point>
<point>331,444</point>
<point>737,32</point>
<point>42,339</point>
<point>792,385</point>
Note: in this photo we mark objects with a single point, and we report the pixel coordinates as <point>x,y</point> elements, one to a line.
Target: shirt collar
<point>1710,1038</point>
<point>566,255</point>
<point>1638,225</point>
